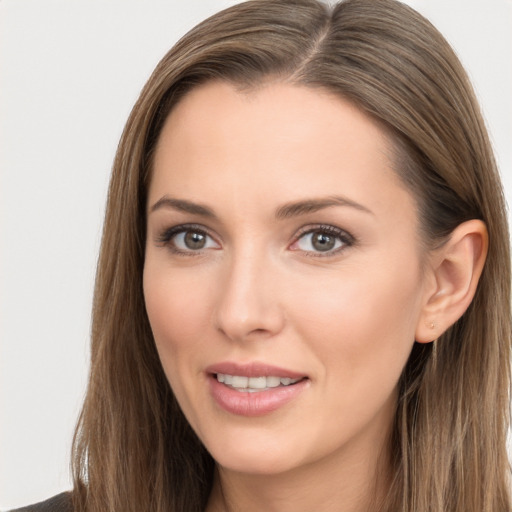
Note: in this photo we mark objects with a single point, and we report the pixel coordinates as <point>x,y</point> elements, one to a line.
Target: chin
<point>262,464</point>
<point>256,458</point>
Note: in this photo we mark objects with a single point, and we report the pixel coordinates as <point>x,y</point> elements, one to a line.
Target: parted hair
<point>133,448</point>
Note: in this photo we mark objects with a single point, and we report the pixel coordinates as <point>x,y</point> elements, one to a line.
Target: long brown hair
<point>133,448</point>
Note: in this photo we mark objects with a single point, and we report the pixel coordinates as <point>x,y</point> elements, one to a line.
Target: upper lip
<point>254,369</point>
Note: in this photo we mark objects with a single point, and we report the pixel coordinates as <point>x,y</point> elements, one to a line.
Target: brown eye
<point>323,241</point>
<point>187,239</point>
<point>194,240</point>
<point>320,241</point>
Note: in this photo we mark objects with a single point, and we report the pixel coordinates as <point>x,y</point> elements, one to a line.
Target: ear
<point>455,269</point>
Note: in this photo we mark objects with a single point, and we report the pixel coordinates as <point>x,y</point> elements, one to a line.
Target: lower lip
<point>257,403</point>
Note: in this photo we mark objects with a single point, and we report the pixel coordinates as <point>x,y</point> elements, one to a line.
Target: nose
<point>248,306</point>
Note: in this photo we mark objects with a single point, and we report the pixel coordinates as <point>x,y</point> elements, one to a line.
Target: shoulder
<point>59,503</point>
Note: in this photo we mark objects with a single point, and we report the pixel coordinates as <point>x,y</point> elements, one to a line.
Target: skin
<point>259,290</point>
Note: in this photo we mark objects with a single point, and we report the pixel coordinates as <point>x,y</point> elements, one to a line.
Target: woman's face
<point>282,276</point>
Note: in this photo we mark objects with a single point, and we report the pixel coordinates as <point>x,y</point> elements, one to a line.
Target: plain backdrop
<point>70,72</point>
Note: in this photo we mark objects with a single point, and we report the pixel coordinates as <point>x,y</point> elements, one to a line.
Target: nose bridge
<point>248,305</point>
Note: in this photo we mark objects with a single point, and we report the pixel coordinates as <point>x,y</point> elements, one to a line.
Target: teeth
<point>254,383</point>
<point>257,382</point>
<point>240,382</point>
<point>273,382</point>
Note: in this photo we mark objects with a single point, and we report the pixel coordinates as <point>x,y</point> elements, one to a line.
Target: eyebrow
<point>183,205</point>
<point>313,205</point>
<point>286,211</point>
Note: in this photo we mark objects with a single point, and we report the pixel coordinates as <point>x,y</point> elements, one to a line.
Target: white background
<point>69,73</point>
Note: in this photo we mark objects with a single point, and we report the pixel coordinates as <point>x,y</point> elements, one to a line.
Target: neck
<point>354,479</point>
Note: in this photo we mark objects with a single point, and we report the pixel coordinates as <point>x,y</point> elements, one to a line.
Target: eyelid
<point>347,239</point>
<point>165,237</point>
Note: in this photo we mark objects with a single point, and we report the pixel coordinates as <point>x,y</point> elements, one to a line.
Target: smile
<point>254,384</point>
<point>254,389</point>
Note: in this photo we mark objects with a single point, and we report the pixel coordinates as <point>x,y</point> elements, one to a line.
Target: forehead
<point>221,111</point>
<point>279,142</point>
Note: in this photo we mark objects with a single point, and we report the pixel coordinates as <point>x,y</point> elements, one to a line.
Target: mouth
<point>254,389</point>
<point>255,384</point>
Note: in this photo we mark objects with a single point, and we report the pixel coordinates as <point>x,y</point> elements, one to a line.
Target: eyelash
<point>346,239</point>
<point>166,237</point>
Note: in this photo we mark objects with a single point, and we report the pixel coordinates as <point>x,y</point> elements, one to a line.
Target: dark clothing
<point>59,503</point>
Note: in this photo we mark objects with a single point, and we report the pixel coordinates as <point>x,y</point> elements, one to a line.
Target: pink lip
<point>255,369</point>
<point>259,403</point>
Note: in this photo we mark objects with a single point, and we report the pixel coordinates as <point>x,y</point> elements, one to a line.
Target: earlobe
<point>456,268</point>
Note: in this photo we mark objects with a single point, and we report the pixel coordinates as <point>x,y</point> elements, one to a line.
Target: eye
<point>323,240</point>
<point>187,239</point>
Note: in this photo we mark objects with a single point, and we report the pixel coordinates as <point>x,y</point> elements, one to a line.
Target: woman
<point>302,299</point>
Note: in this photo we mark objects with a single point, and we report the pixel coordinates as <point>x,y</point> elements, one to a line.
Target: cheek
<point>178,308</point>
<point>362,319</point>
